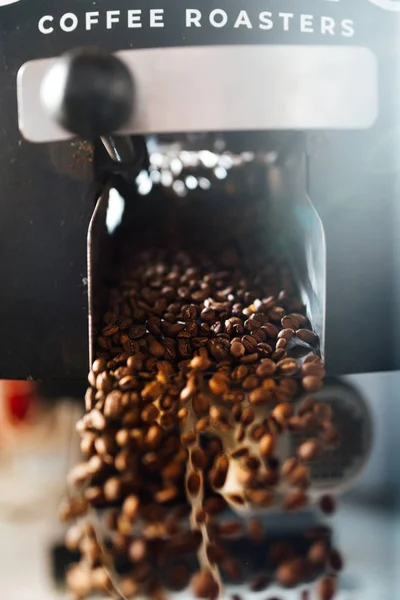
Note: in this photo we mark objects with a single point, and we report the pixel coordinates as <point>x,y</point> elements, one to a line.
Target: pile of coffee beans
<point>201,362</point>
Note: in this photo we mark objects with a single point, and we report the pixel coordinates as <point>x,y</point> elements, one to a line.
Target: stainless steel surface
<point>224,88</point>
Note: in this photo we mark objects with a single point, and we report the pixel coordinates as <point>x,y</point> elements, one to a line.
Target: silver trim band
<point>226,88</point>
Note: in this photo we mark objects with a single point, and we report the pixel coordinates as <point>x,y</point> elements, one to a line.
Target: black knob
<point>88,92</point>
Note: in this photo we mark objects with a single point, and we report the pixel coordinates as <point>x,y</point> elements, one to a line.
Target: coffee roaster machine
<point>106,111</point>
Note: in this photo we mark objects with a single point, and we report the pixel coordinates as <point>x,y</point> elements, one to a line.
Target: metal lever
<point>91,93</point>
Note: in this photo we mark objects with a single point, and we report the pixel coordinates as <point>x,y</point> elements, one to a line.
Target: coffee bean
<point>255,530</point>
<point>193,484</point>
<point>97,420</point>
<point>249,343</point>
<point>259,583</point>
<point>335,560</point>
<point>237,349</point>
<point>214,505</point>
<point>281,344</point>
<point>257,432</point>
<point>262,498</point>
<point>289,466</point>
<point>296,500</point>
<point>286,334</point>
<point>219,472</point>
<point>281,552</point>
<point>232,569</point>
<point>326,588</point>
<point>309,450</point>
<point>291,573</point>
<point>318,553</point>
<point>248,416</point>
<point>166,495</point>
<point>283,412</point>
<point>138,550</point>
<point>137,331</point>
<point>149,413</point>
<point>266,368</point>
<point>313,368</point>
<point>323,411</point>
<point>307,336</point>
<point>200,363</point>
<point>178,577</point>
<point>260,397</point>
<point>290,322</point>
<point>219,384</point>
<point>204,585</point>
<point>229,528</point>
<point>287,367</point>
<point>130,507</point>
<point>202,425</point>
<point>198,458</point>
<point>327,504</point>
<point>267,445</point>
<point>312,383</point>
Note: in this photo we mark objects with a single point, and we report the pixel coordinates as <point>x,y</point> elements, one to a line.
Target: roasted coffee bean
<point>300,476</point>
<point>202,425</point>
<point>323,411</point>
<point>167,494</point>
<point>201,363</point>
<point>249,343</point>
<point>263,498</point>
<point>287,367</point>
<point>318,553</point>
<point>232,569</point>
<point>215,552</point>
<point>307,336</point>
<point>286,334</point>
<point>149,413</point>
<point>267,445</point>
<point>198,458</point>
<point>204,585</point>
<point>250,383</point>
<point>137,331</point>
<point>219,384</point>
<point>260,397</point>
<point>214,505</point>
<point>194,484</point>
<point>326,588</point>
<point>248,416</point>
<point>315,369</point>
<point>327,504</point>
<point>266,368</point>
<point>283,412</point>
<point>281,552</point>
<point>154,325</point>
<point>138,550</point>
<point>312,383</point>
<point>309,450</point>
<point>249,359</point>
<point>292,572</point>
<point>229,528</point>
<point>335,560</point>
<point>130,507</point>
<point>257,432</point>
<point>237,349</point>
<point>289,466</point>
<point>178,577</point>
<point>295,500</point>
<point>259,583</point>
<point>255,530</point>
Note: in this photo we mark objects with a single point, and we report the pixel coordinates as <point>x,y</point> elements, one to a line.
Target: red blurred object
<point>19,397</point>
